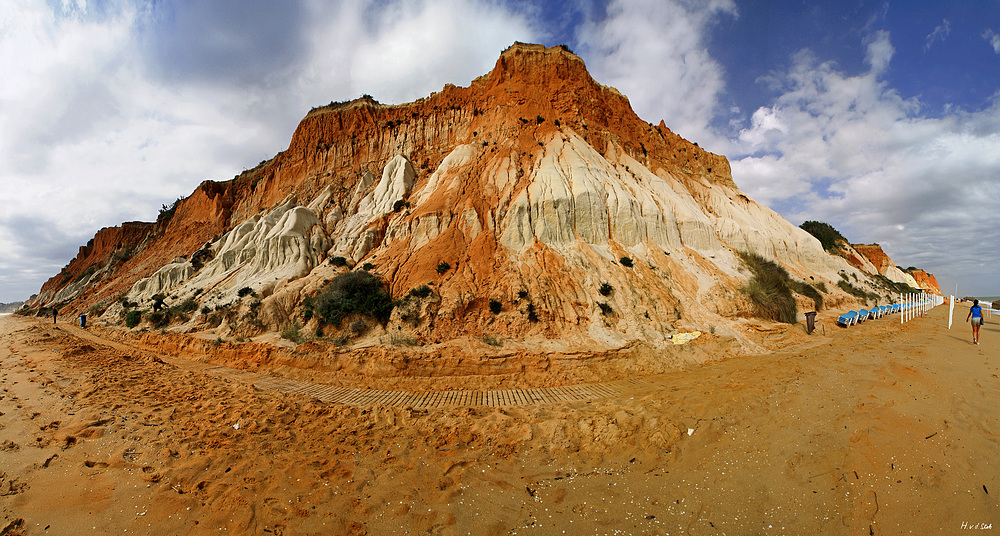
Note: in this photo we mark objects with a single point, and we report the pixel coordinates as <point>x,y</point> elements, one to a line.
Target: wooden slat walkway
<point>404,399</point>
<point>425,399</point>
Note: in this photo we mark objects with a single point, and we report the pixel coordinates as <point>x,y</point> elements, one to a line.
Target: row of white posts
<point>987,310</point>
<point>916,304</point>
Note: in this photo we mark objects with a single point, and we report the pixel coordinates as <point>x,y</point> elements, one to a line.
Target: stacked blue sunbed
<point>850,318</point>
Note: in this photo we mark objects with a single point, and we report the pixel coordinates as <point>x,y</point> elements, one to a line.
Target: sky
<point>881,118</point>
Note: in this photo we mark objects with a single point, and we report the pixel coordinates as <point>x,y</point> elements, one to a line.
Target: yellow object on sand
<point>682,338</point>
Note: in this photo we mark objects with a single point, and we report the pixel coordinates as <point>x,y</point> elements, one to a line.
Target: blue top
<point>977,312</point>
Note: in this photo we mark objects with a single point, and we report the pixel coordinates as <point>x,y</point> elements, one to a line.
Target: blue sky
<point>879,117</point>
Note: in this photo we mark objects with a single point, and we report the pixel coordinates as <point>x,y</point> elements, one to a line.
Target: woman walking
<point>976,314</point>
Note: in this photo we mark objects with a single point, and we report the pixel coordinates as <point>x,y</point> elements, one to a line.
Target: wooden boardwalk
<point>426,399</point>
<point>379,397</point>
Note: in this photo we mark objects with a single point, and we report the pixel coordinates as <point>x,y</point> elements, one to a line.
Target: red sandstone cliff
<point>881,261</point>
<point>926,281</point>
<point>535,185</point>
<point>874,253</point>
<point>531,95</point>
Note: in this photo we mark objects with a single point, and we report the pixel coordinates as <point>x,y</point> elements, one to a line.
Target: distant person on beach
<point>158,304</point>
<point>54,313</point>
<point>976,314</point>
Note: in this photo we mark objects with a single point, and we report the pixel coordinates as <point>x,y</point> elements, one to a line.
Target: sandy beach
<point>878,429</point>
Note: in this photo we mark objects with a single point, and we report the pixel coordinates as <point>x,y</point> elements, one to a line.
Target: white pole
<point>951,311</point>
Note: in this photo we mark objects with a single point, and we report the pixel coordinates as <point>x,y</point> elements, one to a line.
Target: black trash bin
<point>810,321</point>
<point>83,321</point>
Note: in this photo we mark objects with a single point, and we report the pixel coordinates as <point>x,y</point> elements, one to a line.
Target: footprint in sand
<point>150,474</point>
<point>10,486</point>
<point>9,446</point>
<point>54,425</point>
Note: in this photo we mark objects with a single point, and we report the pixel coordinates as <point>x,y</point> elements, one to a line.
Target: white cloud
<point>655,53</point>
<point>879,52</point>
<point>993,39</point>
<point>850,151</point>
<point>107,112</point>
<point>417,47</point>
<point>940,33</point>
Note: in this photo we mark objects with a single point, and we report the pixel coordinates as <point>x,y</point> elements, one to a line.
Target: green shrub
<point>205,310</point>
<point>308,308</point>
<point>809,291</point>
<point>626,262</point>
<point>495,307</point>
<point>420,292</point>
<point>352,292</point>
<point>857,292</point>
<point>606,289</point>
<point>132,319</point>
<point>359,327</point>
<point>892,286</point>
<point>122,255</point>
<point>605,309</point>
<point>186,306</point>
<point>522,294</point>
<point>829,237</point>
<point>768,290</point>
<point>367,266</point>
<point>338,261</point>
<point>292,333</point>
<point>245,291</point>
<point>85,273</point>
<point>167,212</point>
<point>159,319</point>
<point>443,267</point>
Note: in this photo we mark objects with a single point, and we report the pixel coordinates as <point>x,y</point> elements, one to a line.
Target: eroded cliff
<point>533,205</point>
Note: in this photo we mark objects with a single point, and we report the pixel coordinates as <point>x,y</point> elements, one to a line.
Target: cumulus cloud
<point>847,149</point>
<point>993,39</point>
<point>940,33</point>
<point>110,109</point>
<point>655,53</point>
<point>410,49</point>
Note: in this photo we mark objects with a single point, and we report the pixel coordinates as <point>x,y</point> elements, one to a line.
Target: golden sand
<point>878,429</point>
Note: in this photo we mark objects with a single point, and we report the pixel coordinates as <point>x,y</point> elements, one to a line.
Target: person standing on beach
<point>55,312</point>
<point>976,314</point>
